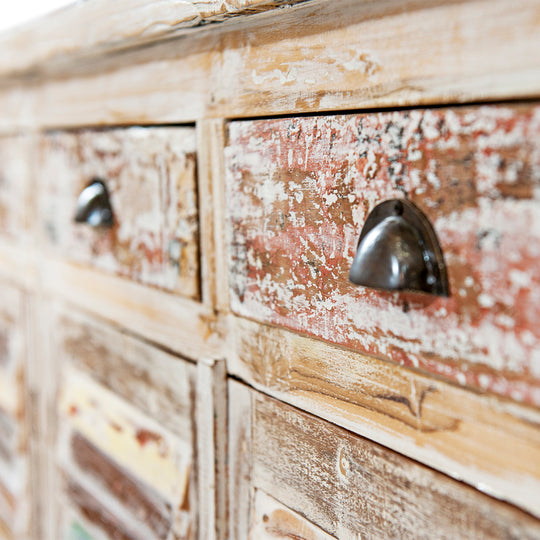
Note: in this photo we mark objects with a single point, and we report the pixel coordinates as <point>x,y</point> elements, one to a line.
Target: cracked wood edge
<point>85,29</point>
<point>316,56</point>
<point>211,424</point>
<point>488,442</point>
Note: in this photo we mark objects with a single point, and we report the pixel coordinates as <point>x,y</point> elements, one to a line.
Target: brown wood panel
<point>299,191</point>
<point>150,175</point>
<point>348,486</point>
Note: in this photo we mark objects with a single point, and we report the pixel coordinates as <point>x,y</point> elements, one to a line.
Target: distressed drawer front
<point>306,478</point>
<point>299,191</point>
<point>125,450</point>
<point>14,429</point>
<point>150,175</point>
<point>15,195</point>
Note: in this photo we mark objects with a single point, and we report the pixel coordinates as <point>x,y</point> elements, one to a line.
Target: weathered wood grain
<point>449,428</point>
<point>240,459</point>
<point>351,487</point>
<point>299,191</point>
<point>210,173</point>
<point>372,54</point>
<point>212,438</point>
<point>272,520</point>
<point>188,328</point>
<point>125,436</point>
<point>15,430</point>
<point>16,195</point>
<point>150,175</point>
<point>152,380</point>
<point>83,30</point>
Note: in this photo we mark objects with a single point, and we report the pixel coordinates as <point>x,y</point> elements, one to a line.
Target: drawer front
<point>15,495</point>
<point>125,449</point>
<point>297,476</point>
<point>15,195</point>
<point>299,191</point>
<point>150,177</point>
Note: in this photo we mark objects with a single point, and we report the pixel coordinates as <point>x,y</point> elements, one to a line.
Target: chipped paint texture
<point>354,488</point>
<point>125,447</point>
<point>15,195</point>
<point>150,175</point>
<point>299,191</point>
<point>14,454</point>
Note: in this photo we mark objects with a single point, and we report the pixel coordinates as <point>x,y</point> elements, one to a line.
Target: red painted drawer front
<point>15,195</point>
<point>299,191</point>
<point>150,174</point>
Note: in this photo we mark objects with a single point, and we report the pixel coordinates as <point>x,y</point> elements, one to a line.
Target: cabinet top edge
<point>94,28</point>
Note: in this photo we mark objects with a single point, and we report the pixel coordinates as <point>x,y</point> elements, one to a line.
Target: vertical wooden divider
<point>240,460</point>
<point>211,421</point>
<point>211,192</point>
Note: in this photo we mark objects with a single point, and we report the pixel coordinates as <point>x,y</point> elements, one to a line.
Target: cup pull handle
<point>94,205</point>
<point>398,250</point>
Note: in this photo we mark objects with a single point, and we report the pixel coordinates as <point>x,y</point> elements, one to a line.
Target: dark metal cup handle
<point>398,250</point>
<point>94,205</point>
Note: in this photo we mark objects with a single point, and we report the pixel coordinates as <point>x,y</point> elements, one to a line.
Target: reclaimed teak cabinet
<point>183,186</point>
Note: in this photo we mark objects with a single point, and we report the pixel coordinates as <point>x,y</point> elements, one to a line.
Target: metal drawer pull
<point>398,250</point>
<point>94,206</point>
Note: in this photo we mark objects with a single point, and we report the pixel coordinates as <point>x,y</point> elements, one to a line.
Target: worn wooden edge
<point>46,376</point>
<point>85,29</point>
<point>34,409</point>
<point>211,411</point>
<point>240,459</point>
<point>183,326</point>
<point>488,442</point>
<point>210,174</point>
<point>317,56</point>
<point>214,133</point>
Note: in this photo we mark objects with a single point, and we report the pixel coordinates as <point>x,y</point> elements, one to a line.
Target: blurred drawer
<point>15,493</point>
<point>299,191</point>
<point>294,475</point>
<point>125,444</point>
<point>15,194</point>
<point>150,176</point>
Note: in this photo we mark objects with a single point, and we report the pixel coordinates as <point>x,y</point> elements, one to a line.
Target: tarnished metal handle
<point>94,205</point>
<point>398,250</point>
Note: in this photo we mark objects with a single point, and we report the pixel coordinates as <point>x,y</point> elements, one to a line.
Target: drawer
<point>299,191</point>
<point>15,194</point>
<point>294,475</point>
<point>150,177</point>
<point>15,494</point>
<point>125,447</point>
